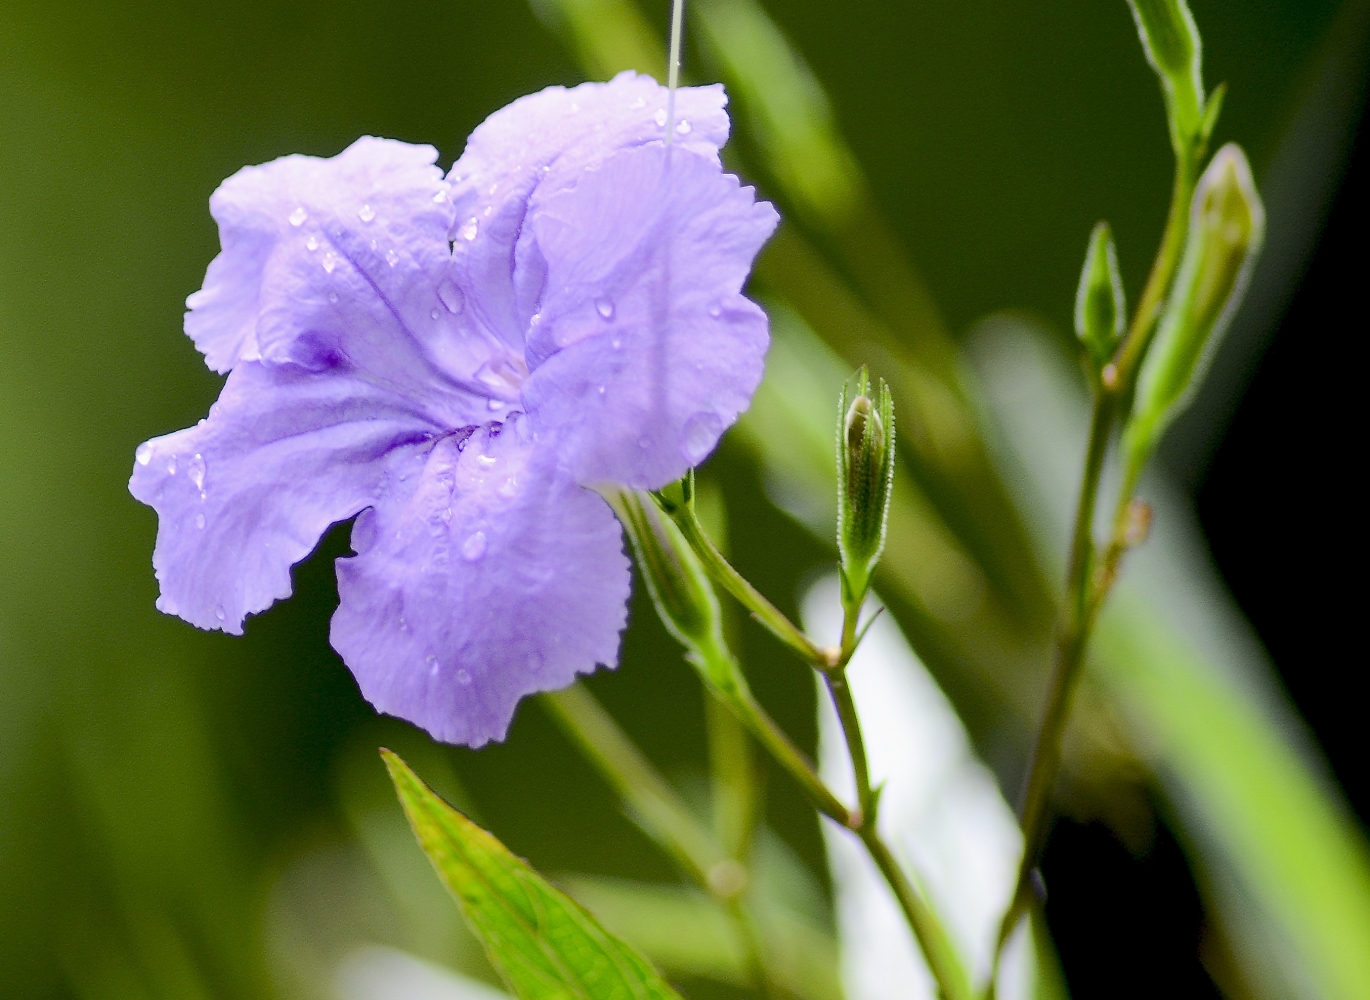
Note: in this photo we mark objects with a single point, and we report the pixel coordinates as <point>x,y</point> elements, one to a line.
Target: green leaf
<point>544,945</point>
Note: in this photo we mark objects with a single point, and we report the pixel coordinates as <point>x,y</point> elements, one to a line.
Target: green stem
<point>733,582</point>
<point>941,957</point>
<point>1149,307</point>
<point>1045,762</point>
<point>856,747</point>
<point>1086,590</point>
<point>927,929</point>
<point>653,803</point>
<point>659,811</point>
<point>717,665</point>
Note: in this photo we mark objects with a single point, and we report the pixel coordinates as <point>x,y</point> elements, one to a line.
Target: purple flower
<point>455,361</point>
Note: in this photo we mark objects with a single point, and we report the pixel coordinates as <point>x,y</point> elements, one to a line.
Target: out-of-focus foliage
<point>186,815</point>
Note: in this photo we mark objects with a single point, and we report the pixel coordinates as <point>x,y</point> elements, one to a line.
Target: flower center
<point>503,379</point>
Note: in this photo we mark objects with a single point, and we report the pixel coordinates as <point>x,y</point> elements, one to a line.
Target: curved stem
<point>932,937</point>
<point>1086,590</point>
<point>1143,324</point>
<point>752,599</point>
<point>1044,764</point>
<point>927,929</point>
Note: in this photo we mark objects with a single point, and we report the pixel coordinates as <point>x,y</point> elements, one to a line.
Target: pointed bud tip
<point>1100,307</point>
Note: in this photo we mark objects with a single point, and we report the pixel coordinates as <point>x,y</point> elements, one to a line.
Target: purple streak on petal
<point>350,253</point>
<point>646,350</point>
<point>495,576</point>
<point>247,493</point>
<point>545,141</point>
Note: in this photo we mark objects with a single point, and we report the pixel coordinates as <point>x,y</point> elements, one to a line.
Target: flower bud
<point>865,473</point>
<point>679,587</point>
<point>1100,311</point>
<point>1226,228</point>
<point>1171,40</point>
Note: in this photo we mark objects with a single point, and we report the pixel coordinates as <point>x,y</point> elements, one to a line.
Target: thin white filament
<point>673,67</point>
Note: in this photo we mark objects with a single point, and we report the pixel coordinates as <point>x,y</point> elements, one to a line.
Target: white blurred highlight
<point>376,973</point>
<point>941,813</point>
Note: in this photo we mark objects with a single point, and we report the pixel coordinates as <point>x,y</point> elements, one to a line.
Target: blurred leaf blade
<point>1297,852</point>
<point>541,941</point>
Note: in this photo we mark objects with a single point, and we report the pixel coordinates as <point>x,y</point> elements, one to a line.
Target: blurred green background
<point>174,804</point>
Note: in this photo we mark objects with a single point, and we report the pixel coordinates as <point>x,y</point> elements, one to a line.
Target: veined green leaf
<point>544,945</point>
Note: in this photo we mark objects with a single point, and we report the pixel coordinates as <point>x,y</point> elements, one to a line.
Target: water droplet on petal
<point>474,547</point>
<point>330,261</point>
<point>220,613</point>
<point>333,297</point>
<point>510,488</point>
<point>682,127</point>
<point>312,243</point>
<point>463,678</point>
<point>446,516</point>
<point>616,343</point>
<point>433,665</point>
<point>660,117</point>
<point>600,390</point>
<point>298,216</point>
<point>440,197</point>
<point>495,404</point>
<point>486,461</point>
<point>716,310</point>
<point>391,257</point>
<point>366,213</point>
<point>468,231</point>
<point>641,102</point>
<point>200,521</point>
<point>143,454</point>
<point>171,466</point>
<point>435,314</point>
<point>196,471</point>
<point>605,307</point>
<point>701,433</point>
<point>450,296</point>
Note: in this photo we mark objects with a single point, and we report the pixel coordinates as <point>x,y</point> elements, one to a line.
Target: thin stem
<point>660,812</point>
<point>754,951</point>
<point>937,948</point>
<point>1073,634</point>
<point>733,582</point>
<point>787,755</point>
<point>926,927</point>
<point>653,803</point>
<point>1143,324</point>
<point>673,67</point>
<point>856,747</point>
<point>1085,589</point>
<point>923,922</point>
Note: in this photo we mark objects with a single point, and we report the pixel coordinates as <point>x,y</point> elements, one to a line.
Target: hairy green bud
<point>1226,229</point>
<point>1100,310</point>
<point>865,474</point>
